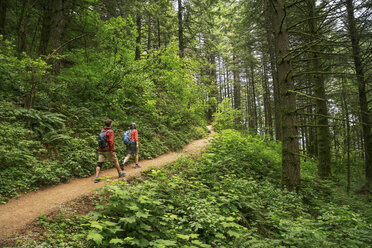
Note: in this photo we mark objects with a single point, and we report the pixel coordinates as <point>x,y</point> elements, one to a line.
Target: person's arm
<point>136,137</point>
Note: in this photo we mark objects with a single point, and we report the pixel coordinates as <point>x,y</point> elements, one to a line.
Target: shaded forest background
<point>293,71</point>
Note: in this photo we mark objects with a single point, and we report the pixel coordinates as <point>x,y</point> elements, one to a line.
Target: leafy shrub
<point>226,116</point>
<point>230,197</point>
<point>248,155</point>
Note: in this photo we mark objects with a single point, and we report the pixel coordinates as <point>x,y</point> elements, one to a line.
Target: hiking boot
<point>97,180</point>
<point>122,174</point>
<point>137,166</point>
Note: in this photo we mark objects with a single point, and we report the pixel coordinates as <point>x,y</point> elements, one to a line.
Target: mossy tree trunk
<point>46,27</point>
<point>323,135</point>
<point>139,36</point>
<point>180,28</point>
<point>253,112</point>
<point>266,97</point>
<point>274,72</point>
<point>237,97</point>
<point>365,113</point>
<point>3,9</point>
<point>290,145</point>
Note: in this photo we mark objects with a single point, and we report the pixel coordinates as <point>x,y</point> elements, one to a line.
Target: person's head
<point>133,125</point>
<point>108,123</point>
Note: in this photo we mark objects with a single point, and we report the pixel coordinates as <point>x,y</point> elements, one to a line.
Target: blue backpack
<point>128,137</point>
<point>102,142</point>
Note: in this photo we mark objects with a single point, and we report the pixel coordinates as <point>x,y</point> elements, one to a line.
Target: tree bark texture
<point>311,141</point>
<point>158,32</point>
<point>3,9</point>
<point>213,90</point>
<point>274,72</point>
<point>253,113</point>
<point>149,33</point>
<point>58,30</point>
<point>46,27</point>
<point>346,111</point>
<point>290,145</point>
<point>139,37</point>
<point>237,101</point>
<point>267,98</point>
<point>180,28</point>
<point>21,32</point>
<point>365,114</point>
<point>323,135</point>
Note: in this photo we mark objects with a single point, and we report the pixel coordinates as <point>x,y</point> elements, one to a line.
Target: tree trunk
<point>220,86</point>
<point>180,29</point>
<point>58,30</point>
<point>236,79</point>
<point>323,135</point>
<point>30,98</point>
<point>21,39</point>
<point>290,145</point>
<point>248,103</point>
<point>228,83</point>
<point>305,134</point>
<point>312,147</point>
<point>138,39</point>
<point>149,34</point>
<point>237,88</point>
<point>365,114</point>
<point>3,9</point>
<point>266,98</point>
<point>254,103</point>
<point>274,72</point>
<point>346,110</point>
<point>213,90</point>
<point>46,27</point>
<point>159,34</point>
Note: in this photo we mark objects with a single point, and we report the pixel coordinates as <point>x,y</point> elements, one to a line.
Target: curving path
<point>18,212</point>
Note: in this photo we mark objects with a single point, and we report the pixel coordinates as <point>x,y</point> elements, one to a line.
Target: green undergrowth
<point>229,197</point>
<point>42,148</point>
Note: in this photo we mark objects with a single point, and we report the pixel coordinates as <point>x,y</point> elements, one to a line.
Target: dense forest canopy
<point>295,71</point>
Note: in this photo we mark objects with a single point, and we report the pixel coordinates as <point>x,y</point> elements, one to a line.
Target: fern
<point>55,138</point>
<point>42,122</point>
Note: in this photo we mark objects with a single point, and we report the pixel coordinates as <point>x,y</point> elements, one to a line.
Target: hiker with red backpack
<point>107,150</point>
<point>131,142</point>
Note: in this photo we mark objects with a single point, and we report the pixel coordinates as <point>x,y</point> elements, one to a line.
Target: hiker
<point>131,142</point>
<point>107,150</point>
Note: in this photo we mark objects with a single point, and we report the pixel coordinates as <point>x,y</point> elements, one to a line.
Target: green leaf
<point>145,227</point>
<point>165,243</point>
<point>97,225</point>
<point>185,237</point>
<point>116,241</point>
<point>109,223</point>
<point>233,234</point>
<point>194,235</point>
<point>142,215</point>
<point>133,207</point>
<point>131,219</point>
<point>96,237</point>
<point>220,236</point>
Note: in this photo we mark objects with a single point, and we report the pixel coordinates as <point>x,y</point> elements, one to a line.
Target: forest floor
<point>17,215</point>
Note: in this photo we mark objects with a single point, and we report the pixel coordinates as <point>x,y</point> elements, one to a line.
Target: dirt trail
<point>19,212</point>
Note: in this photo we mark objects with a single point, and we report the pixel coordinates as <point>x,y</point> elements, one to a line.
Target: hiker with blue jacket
<point>131,142</point>
<point>106,150</point>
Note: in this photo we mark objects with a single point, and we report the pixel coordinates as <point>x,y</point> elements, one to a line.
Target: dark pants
<point>132,148</point>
